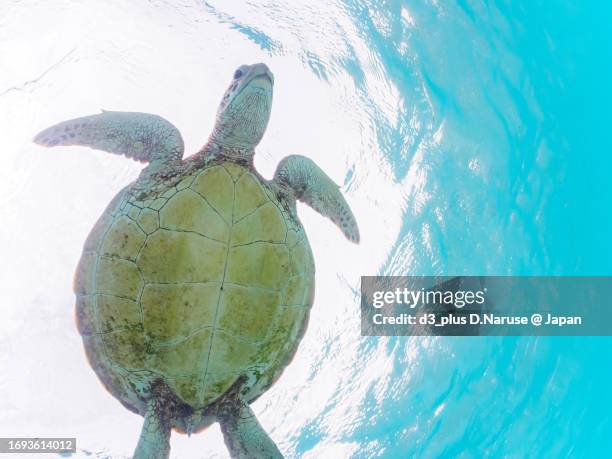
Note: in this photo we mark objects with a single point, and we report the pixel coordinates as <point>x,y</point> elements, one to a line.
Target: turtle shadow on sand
<point>195,285</point>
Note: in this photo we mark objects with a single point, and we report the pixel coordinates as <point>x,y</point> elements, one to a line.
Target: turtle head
<point>244,111</point>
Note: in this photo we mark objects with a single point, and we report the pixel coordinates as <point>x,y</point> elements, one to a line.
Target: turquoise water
<point>524,87</point>
<point>470,137</point>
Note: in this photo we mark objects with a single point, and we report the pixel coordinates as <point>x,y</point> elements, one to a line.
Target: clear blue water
<point>517,79</point>
<point>471,136</point>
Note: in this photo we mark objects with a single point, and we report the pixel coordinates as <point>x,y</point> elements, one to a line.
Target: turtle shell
<point>206,281</point>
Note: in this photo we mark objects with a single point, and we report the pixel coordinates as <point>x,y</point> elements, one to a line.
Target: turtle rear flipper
<point>140,136</point>
<point>154,442</point>
<point>244,436</point>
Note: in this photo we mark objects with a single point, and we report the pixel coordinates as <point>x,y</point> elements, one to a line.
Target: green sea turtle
<point>195,285</point>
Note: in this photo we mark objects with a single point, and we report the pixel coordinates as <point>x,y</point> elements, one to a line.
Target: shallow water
<point>470,137</point>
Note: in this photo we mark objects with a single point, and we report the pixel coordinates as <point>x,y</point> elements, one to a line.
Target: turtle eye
<point>237,74</point>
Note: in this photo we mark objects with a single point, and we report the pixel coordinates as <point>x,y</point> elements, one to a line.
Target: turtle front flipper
<point>140,136</point>
<point>312,186</point>
<point>244,436</point>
